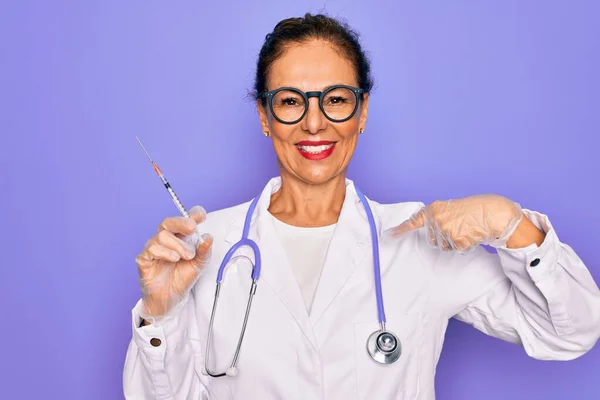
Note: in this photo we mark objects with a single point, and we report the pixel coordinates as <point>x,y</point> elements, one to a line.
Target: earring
<point>267,134</point>
<point>361,130</point>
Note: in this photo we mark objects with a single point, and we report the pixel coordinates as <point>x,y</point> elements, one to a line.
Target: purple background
<point>470,98</point>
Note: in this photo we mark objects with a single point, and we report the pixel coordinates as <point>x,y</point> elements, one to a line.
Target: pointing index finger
<point>416,221</point>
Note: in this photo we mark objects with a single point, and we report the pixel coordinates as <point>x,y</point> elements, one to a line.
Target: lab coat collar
<point>350,244</point>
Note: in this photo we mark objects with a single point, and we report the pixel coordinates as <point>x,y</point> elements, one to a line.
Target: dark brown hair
<point>302,29</point>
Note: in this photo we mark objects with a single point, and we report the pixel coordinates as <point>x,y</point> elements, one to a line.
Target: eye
<point>339,97</point>
<point>337,100</point>
<point>289,101</point>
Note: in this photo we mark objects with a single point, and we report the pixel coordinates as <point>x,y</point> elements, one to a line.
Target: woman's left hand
<point>465,223</point>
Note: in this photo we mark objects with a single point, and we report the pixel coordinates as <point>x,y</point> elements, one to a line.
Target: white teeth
<point>315,149</point>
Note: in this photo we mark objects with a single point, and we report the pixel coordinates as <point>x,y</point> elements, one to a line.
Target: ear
<point>364,111</point>
<point>262,115</point>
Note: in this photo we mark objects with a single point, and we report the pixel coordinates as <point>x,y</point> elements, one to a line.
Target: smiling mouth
<point>315,150</point>
<point>311,149</point>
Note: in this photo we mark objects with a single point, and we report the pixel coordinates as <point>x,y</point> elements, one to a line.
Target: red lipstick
<point>315,150</point>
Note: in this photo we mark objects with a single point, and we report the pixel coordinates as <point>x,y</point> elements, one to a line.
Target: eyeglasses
<point>289,105</point>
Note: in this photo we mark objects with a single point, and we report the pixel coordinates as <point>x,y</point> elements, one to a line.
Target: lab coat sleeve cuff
<point>153,339</point>
<point>536,262</point>
<point>534,270</point>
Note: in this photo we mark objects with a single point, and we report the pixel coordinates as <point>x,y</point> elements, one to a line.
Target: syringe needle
<point>143,148</point>
<point>195,238</point>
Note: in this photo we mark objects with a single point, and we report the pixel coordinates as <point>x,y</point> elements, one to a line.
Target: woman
<point>315,306</point>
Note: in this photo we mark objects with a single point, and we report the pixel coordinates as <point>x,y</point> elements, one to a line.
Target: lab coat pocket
<point>399,380</point>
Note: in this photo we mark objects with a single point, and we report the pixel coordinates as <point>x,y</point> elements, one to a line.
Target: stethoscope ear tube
<point>210,331</point>
<point>232,370</point>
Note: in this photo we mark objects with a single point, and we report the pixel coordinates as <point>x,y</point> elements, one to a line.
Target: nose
<point>314,120</point>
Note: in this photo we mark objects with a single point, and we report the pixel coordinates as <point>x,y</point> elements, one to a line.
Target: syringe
<point>194,239</point>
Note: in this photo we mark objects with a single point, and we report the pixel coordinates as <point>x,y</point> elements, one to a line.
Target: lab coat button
<point>534,262</point>
<point>155,342</point>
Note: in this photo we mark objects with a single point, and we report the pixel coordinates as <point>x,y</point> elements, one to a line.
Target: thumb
<point>203,250</point>
<point>416,221</point>
<point>197,213</point>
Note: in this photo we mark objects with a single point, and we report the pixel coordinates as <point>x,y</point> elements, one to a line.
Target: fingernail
<point>190,252</point>
<point>199,210</point>
<point>389,233</point>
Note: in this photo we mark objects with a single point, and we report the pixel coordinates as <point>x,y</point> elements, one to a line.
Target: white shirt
<point>543,298</point>
<point>306,249</point>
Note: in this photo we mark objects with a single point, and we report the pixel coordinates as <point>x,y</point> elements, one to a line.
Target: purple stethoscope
<point>382,345</point>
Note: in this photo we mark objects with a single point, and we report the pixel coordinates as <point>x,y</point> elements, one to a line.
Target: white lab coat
<point>552,309</point>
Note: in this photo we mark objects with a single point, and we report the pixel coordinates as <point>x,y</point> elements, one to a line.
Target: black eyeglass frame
<point>307,95</point>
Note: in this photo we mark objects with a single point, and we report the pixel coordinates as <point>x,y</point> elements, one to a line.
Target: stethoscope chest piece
<point>384,347</point>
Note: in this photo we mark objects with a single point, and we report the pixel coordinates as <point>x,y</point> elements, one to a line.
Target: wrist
<point>525,235</point>
<point>144,323</point>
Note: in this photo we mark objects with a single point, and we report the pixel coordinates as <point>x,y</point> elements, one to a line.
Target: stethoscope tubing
<point>376,354</point>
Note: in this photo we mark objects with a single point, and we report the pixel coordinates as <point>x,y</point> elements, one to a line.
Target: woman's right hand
<point>168,266</point>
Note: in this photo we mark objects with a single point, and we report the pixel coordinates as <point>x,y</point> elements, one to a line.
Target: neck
<point>303,204</point>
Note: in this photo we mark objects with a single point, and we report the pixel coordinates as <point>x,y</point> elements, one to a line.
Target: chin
<point>318,176</point>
